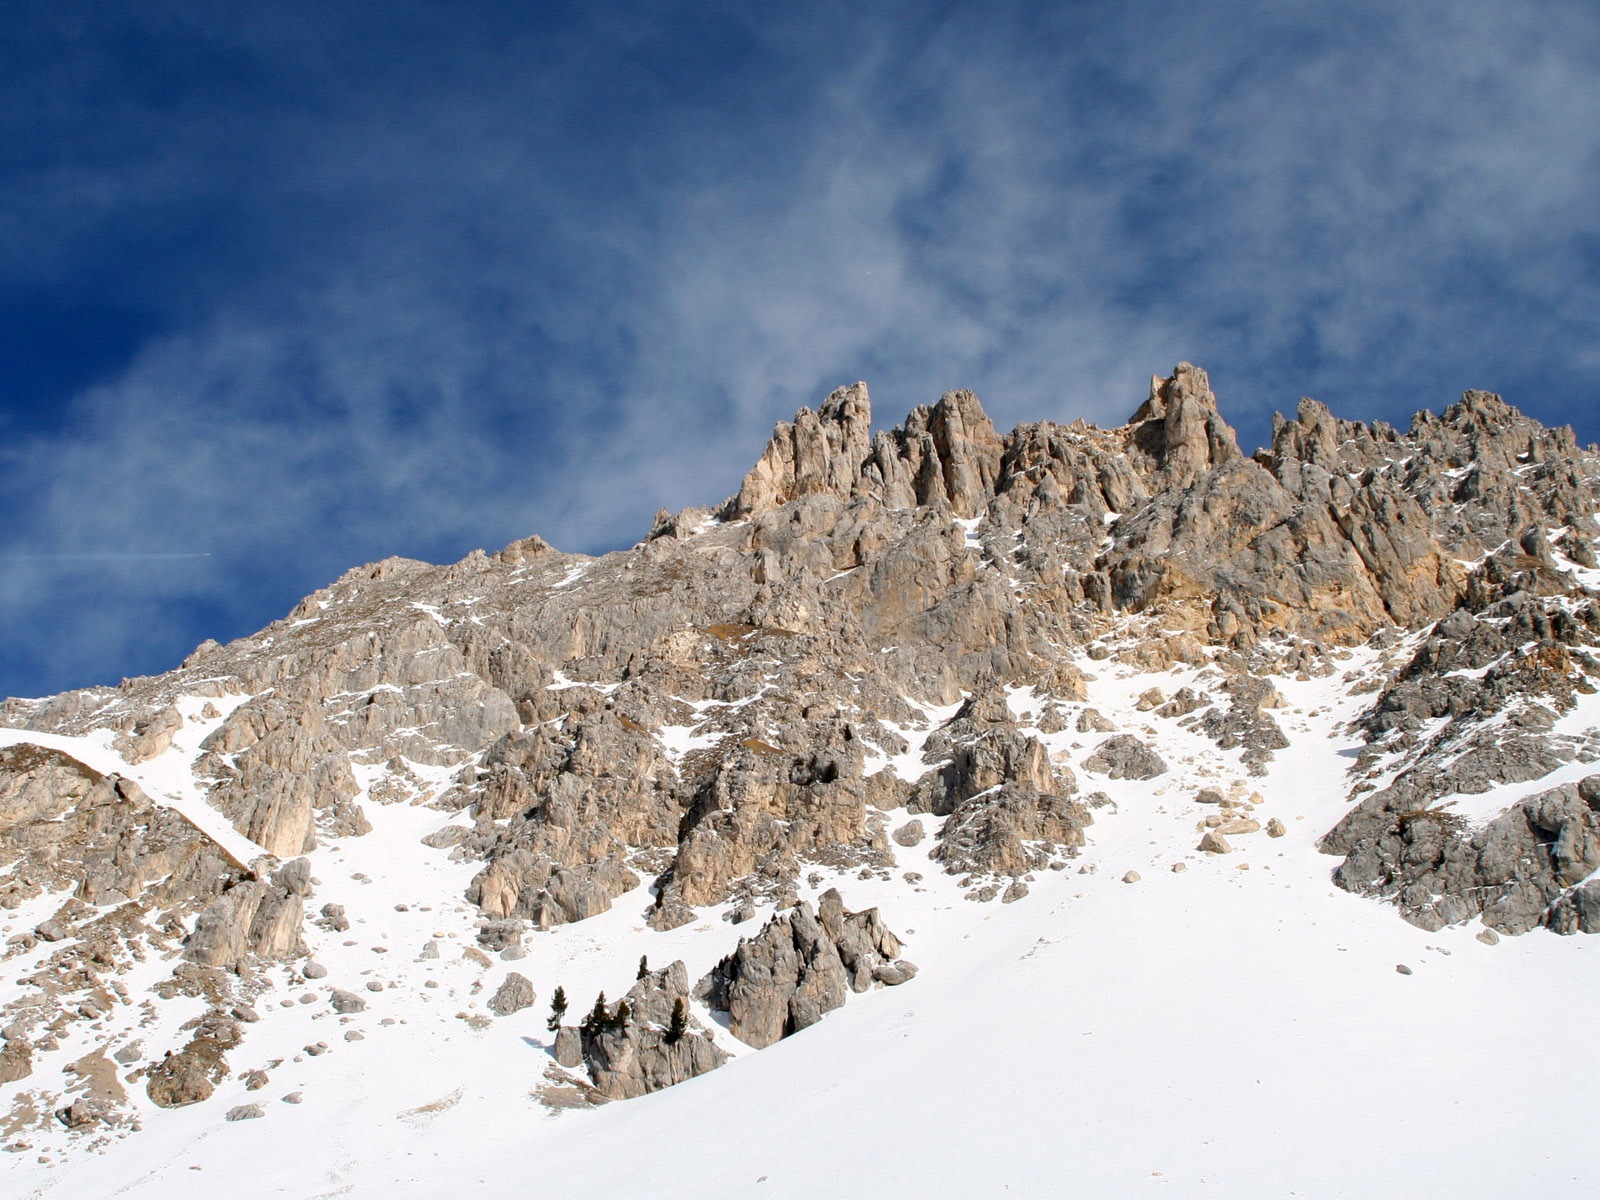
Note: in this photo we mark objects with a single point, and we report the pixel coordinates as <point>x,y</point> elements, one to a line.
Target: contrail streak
<point>96,557</point>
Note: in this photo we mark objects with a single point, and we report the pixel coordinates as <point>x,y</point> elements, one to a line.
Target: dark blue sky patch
<point>306,285</point>
<point>51,350</point>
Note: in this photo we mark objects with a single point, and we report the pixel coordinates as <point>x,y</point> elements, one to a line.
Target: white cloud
<point>464,315</point>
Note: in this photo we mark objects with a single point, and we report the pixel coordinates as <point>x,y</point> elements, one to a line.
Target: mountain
<point>947,810</point>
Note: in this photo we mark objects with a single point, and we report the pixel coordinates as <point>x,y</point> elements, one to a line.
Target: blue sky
<point>285,287</point>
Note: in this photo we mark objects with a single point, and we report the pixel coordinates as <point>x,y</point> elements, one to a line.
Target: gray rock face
<point>1577,911</point>
<point>630,1050</point>
<point>514,994</point>
<point>568,1049</point>
<point>1010,830</point>
<point>1007,807</point>
<point>983,749</point>
<point>1517,872</point>
<point>256,916</point>
<point>713,712</point>
<point>1244,723</point>
<point>1475,709</point>
<point>799,967</point>
<point>1125,757</point>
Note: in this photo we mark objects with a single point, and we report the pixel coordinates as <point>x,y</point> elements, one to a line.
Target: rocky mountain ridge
<point>936,645</point>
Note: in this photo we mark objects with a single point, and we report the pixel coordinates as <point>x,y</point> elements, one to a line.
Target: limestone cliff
<point>927,620</point>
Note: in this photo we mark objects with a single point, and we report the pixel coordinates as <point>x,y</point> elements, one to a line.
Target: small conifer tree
<point>680,1022</point>
<point>598,1016</point>
<point>644,966</point>
<point>620,1017</point>
<point>558,1009</point>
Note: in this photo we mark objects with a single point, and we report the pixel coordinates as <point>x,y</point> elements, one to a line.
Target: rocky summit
<point>903,683</point>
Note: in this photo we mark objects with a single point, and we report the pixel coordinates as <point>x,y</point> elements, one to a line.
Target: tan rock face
<point>255,917</point>
<point>65,825</point>
<point>16,1060</point>
<point>1179,429</point>
<point>714,710</point>
<point>818,452</point>
<point>150,738</point>
<point>193,1073</point>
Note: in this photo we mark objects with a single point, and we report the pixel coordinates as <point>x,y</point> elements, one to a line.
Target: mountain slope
<point>970,680</point>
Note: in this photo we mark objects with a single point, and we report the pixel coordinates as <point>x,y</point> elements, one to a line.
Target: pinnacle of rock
<point>817,452</point>
<point>1180,429</point>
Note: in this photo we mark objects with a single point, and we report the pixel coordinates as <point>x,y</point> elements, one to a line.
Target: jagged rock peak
<point>1483,409</point>
<point>524,550</point>
<point>946,456</point>
<point>949,456</point>
<point>816,452</point>
<point>1180,429</point>
<point>1317,438</point>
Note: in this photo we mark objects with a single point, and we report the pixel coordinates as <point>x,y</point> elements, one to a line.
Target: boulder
<point>514,994</point>
<point>909,834</point>
<point>895,973</point>
<point>1125,757</point>
<point>568,1049</point>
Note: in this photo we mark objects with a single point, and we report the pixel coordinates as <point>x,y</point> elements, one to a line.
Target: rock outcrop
<point>802,965</point>
<point>1474,710</point>
<point>66,826</point>
<point>1008,810</point>
<point>1125,757</point>
<point>639,1046</point>
<point>917,630</point>
<point>193,1073</point>
<point>819,452</point>
<point>255,916</point>
<point>1517,871</point>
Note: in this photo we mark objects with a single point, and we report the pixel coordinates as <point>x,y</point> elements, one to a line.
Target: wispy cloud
<point>415,283</point>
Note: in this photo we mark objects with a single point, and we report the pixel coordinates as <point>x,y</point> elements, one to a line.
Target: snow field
<point>1219,1031</point>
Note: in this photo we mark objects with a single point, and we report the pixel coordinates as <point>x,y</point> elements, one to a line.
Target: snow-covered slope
<point>1141,750</point>
<point>1235,1027</point>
